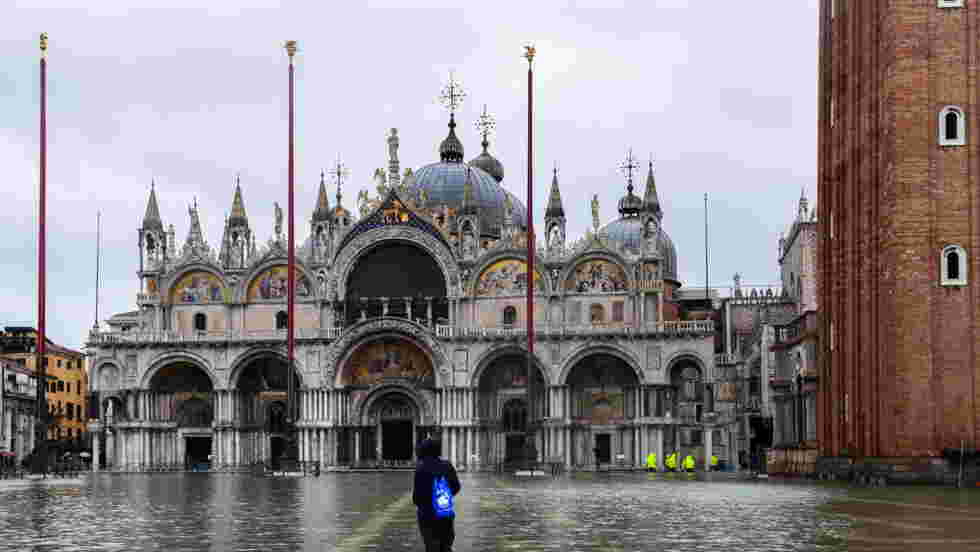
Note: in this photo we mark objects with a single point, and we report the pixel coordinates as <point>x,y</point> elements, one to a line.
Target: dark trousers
<point>437,534</point>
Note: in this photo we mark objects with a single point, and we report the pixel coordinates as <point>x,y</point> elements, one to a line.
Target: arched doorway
<point>391,424</point>
<point>603,391</point>
<point>182,393</point>
<point>396,279</point>
<point>502,405</point>
<point>261,405</point>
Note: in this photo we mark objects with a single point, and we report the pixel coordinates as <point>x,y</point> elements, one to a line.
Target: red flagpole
<point>40,458</point>
<point>291,295</point>
<point>529,54</point>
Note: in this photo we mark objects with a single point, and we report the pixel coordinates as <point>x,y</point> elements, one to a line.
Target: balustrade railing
<point>726,359</point>
<point>442,331</point>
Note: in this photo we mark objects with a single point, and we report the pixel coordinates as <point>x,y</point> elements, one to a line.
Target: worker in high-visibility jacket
<point>714,462</point>
<point>688,463</point>
<point>671,461</point>
<point>652,462</point>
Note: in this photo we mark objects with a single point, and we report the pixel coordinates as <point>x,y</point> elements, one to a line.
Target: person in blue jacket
<point>438,533</point>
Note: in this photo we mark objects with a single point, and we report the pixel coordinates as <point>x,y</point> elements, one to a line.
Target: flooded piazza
<point>373,511</point>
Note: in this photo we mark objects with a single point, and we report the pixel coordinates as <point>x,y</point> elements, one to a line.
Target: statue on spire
<point>595,212</point>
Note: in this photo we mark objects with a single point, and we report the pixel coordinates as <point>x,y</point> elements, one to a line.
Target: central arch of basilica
<point>410,322</point>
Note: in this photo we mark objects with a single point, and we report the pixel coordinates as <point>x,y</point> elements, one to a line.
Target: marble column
<point>96,448</point>
<point>708,434</point>
<point>660,448</point>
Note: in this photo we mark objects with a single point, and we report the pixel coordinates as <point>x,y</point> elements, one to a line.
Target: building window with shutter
<point>200,322</point>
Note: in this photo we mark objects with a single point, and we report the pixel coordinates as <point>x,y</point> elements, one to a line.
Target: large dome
<point>444,182</point>
<point>627,233</point>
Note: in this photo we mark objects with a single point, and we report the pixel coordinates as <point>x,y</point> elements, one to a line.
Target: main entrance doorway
<point>603,445</point>
<point>390,432</point>
<point>197,453</point>
<point>396,440</point>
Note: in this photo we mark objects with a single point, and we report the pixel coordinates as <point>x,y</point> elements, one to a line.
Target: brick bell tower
<point>899,232</point>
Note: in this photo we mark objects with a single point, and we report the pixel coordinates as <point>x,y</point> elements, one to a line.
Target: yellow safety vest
<point>651,460</point>
<point>689,462</point>
<point>714,460</point>
<point>672,461</point>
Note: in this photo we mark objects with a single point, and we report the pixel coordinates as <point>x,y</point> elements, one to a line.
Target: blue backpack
<point>442,498</point>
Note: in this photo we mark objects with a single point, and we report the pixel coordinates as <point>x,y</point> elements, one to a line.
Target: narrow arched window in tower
<point>952,126</point>
<point>510,316</point>
<point>200,322</point>
<point>282,320</point>
<point>953,265</point>
<point>952,120</point>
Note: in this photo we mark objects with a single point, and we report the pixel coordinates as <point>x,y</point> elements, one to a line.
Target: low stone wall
<point>898,470</point>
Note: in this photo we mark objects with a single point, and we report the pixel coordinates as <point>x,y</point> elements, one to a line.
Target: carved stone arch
<point>238,365</point>
<point>169,357</point>
<point>241,290</point>
<point>102,370</point>
<point>340,351</point>
<point>354,249</point>
<point>592,348</point>
<point>497,351</point>
<point>426,410</point>
<point>166,286</point>
<point>593,255</point>
<point>687,354</point>
<point>500,255</point>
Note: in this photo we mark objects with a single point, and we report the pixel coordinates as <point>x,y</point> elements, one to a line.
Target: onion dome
<point>444,183</point>
<point>627,233</point>
<point>451,149</point>
<point>488,163</point>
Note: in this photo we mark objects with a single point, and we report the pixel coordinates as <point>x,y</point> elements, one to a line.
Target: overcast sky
<point>723,94</point>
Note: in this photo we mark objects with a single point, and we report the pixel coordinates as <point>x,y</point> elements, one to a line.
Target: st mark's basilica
<point>410,321</point>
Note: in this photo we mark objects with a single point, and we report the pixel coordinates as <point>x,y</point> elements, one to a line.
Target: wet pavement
<point>587,512</point>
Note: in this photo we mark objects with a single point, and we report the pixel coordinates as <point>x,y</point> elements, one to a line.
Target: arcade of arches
<point>386,399</point>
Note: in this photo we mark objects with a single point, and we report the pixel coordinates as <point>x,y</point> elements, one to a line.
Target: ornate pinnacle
<point>44,45</point>
<point>529,52</point>
<point>485,124</point>
<point>453,94</point>
<point>291,48</point>
<point>628,166</point>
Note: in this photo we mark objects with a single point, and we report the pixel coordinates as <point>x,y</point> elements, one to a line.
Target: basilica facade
<point>409,322</point>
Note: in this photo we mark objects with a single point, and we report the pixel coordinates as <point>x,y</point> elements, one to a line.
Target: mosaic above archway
<point>387,359</point>
<point>199,287</point>
<point>596,276</point>
<point>272,285</point>
<point>506,277</point>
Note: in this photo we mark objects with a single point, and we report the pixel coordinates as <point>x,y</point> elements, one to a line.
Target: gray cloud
<point>189,96</point>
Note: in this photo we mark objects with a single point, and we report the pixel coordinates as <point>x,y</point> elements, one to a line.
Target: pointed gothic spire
<point>238,216</point>
<point>650,200</point>
<point>322,211</point>
<point>151,220</point>
<point>804,204</point>
<point>554,199</point>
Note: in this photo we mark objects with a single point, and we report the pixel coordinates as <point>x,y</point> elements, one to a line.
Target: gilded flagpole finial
<point>291,48</point>
<point>44,44</point>
<point>529,52</point>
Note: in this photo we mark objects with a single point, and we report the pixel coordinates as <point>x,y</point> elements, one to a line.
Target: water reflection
<point>587,512</point>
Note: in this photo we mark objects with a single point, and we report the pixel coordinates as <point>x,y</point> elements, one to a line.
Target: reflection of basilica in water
<point>410,321</point>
